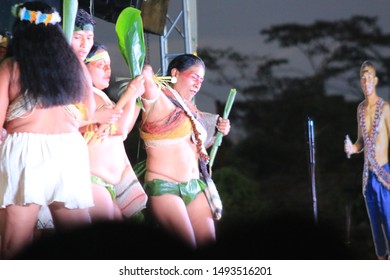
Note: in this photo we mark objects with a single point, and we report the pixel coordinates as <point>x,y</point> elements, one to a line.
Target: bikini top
<point>173,129</point>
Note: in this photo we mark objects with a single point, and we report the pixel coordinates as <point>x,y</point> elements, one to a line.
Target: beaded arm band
<point>36,17</point>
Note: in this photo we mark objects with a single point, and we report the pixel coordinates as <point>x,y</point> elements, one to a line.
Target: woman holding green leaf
<point>116,189</point>
<point>174,138</point>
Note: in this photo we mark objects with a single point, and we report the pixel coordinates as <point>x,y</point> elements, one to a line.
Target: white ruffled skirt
<point>43,168</point>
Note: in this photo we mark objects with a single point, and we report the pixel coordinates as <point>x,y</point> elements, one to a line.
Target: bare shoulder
<point>101,98</point>
<point>5,66</point>
<point>386,104</point>
<point>386,108</point>
<point>5,75</point>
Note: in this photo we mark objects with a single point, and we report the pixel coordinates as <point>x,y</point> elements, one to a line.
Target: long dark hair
<point>50,72</point>
<point>184,61</point>
<point>83,18</point>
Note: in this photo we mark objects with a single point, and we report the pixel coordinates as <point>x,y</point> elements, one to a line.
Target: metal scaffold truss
<point>187,19</point>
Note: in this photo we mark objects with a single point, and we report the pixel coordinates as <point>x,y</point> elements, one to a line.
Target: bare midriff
<point>108,159</point>
<point>175,163</point>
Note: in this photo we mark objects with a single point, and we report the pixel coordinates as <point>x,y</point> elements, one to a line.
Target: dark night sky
<point>236,24</point>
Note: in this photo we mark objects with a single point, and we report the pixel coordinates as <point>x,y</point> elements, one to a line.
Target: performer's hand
<point>223,126</point>
<point>107,114</point>
<point>102,135</point>
<point>148,72</point>
<point>98,135</point>
<point>137,84</point>
<point>3,134</point>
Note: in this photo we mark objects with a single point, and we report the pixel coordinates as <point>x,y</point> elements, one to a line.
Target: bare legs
<point>65,218</point>
<point>105,208</point>
<point>2,222</point>
<point>19,227</point>
<point>20,222</point>
<point>201,220</point>
<point>193,224</point>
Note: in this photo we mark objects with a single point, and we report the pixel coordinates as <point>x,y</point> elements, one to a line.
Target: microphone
<point>348,140</point>
<point>310,126</point>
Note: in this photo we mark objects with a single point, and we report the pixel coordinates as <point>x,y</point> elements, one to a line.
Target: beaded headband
<point>88,27</point>
<point>96,57</point>
<point>36,17</point>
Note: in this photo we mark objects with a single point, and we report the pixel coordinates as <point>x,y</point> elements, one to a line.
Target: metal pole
<point>310,128</point>
<point>187,19</point>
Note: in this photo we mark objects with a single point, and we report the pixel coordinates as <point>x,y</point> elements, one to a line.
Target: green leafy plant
<point>69,16</point>
<point>130,34</point>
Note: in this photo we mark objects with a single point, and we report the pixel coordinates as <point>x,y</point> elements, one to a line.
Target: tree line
<point>264,177</point>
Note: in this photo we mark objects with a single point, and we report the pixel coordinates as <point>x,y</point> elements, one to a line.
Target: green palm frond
<point>69,16</point>
<point>130,34</point>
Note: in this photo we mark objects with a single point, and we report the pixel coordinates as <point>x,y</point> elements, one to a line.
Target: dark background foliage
<point>264,175</point>
<point>263,171</point>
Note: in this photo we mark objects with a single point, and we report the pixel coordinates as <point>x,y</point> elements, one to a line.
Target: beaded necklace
<point>369,138</point>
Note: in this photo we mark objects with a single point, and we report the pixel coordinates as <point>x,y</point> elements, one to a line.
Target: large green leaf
<point>130,35</point>
<point>68,18</point>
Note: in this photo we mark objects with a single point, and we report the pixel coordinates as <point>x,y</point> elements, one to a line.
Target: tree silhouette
<point>277,97</point>
<point>335,48</point>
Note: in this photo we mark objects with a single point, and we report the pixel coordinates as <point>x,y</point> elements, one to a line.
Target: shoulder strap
<point>199,144</point>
